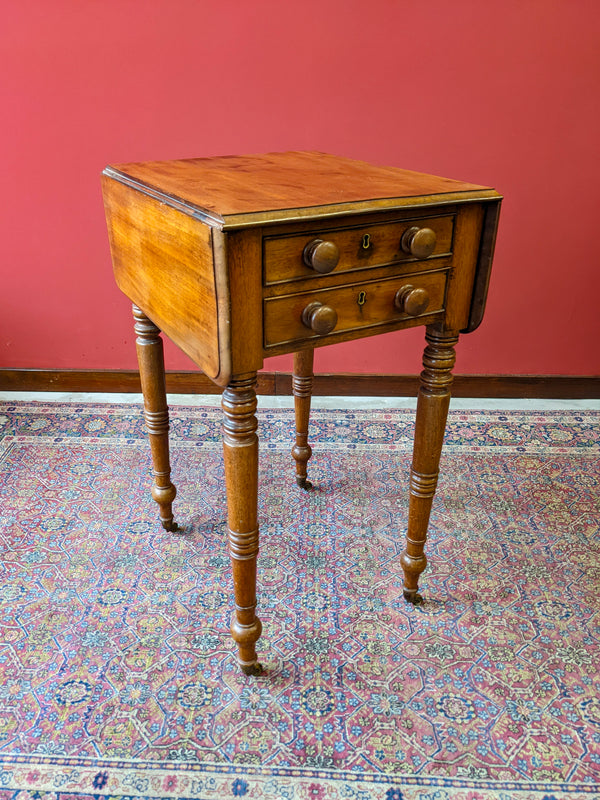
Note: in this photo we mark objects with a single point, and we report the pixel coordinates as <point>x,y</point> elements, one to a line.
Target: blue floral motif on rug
<point>118,674</point>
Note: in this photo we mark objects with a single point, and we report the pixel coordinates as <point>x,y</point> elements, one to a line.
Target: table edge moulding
<point>238,258</point>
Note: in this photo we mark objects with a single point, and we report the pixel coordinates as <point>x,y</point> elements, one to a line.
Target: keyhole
<point>362,298</point>
<point>366,241</point>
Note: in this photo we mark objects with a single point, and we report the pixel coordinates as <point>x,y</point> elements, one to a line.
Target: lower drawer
<point>288,318</point>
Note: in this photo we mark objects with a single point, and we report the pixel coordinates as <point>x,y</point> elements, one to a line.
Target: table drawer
<point>359,247</point>
<point>358,306</point>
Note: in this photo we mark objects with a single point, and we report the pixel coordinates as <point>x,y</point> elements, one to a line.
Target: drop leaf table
<point>243,257</point>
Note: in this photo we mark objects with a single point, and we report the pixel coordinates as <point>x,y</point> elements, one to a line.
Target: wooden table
<point>240,258</point>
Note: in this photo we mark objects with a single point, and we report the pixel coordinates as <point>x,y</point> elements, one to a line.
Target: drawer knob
<point>411,300</point>
<point>418,242</point>
<point>319,318</point>
<point>321,256</point>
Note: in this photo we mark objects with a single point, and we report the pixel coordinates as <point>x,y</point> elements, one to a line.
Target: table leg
<point>149,348</point>
<point>240,450</point>
<point>302,384</point>
<point>432,410</point>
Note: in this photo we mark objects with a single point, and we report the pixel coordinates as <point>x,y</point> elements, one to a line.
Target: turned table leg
<point>240,449</point>
<point>432,410</point>
<point>149,348</point>
<point>302,384</point>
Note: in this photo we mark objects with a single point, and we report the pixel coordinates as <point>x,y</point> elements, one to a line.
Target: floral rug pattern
<point>118,674</point>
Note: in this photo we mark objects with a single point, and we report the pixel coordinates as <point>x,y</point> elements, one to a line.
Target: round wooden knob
<point>321,256</point>
<point>418,242</point>
<point>412,301</point>
<point>319,318</point>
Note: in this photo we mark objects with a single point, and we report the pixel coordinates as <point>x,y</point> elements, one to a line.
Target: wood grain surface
<point>163,261</point>
<point>257,184</point>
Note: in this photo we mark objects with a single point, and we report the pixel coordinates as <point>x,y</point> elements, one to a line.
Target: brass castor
<point>251,669</point>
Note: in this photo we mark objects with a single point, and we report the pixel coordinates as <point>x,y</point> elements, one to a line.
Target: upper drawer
<point>359,247</point>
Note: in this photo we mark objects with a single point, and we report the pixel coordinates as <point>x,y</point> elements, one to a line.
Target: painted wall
<point>502,93</point>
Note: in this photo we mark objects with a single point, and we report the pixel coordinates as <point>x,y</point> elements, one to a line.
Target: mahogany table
<point>240,258</point>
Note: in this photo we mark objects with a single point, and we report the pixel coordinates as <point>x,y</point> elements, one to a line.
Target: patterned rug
<point>117,670</point>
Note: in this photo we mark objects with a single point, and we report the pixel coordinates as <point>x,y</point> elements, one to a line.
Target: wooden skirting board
<point>280,383</point>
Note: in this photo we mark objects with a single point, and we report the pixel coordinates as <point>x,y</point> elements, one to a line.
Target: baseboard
<point>280,383</point>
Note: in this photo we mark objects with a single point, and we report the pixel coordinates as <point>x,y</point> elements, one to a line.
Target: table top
<point>229,191</point>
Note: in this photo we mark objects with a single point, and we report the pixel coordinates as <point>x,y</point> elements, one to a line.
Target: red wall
<point>500,93</point>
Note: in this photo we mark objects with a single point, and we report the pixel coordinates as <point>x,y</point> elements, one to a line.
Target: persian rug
<point>118,675</point>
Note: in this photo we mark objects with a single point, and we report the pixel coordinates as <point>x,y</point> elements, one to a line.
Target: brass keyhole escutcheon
<point>366,241</point>
<point>362,298</point>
